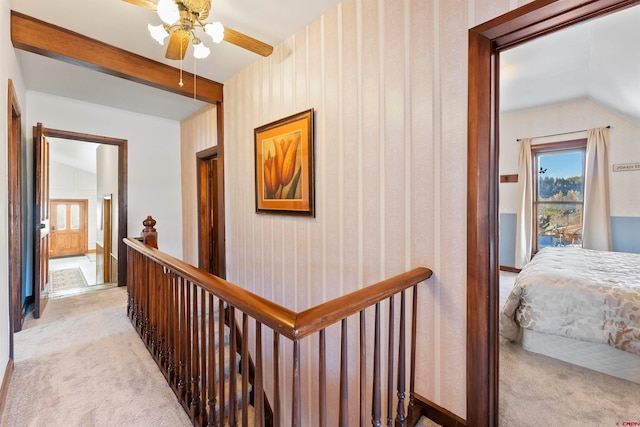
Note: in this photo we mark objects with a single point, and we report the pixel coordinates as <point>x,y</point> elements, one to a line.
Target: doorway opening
<point>70,230</point>
<point>210,255</point>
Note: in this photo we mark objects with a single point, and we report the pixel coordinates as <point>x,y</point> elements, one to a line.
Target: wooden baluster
<point>296,419</point>
<point>131,283</point>
<point>195,356</point>
<point>211,378</point>
<point>203,356</point>
<point>175,337</point>
<point>390,365</point>
<point>221,348</point>
<point>258,386</point>
<point>363,369</point>
<point>344,377</point>
<point>182,338</point>
<point>245,369</point>
<point>233,366</point>
<point>276,379</point>
<point>322,381</point>
<point>376,406</point>
<point>400,417</point>
<point>412,382</point>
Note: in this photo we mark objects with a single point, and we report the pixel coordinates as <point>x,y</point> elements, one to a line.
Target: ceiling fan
<point>180,20</point>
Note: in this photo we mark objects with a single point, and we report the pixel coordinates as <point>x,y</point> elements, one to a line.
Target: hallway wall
<point>388,82</point>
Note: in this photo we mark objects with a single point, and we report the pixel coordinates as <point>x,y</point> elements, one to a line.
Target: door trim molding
<point>122,187</point>
<point>16,224</point>
<point>532,20</point>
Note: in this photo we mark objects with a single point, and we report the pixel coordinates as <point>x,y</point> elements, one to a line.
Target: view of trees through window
<point>560,192</point>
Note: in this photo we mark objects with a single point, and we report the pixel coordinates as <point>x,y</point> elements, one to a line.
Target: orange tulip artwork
<point>282,169</point>
<point>284,181</point>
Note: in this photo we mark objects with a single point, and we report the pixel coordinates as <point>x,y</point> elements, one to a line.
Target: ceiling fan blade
<point>178,44</point>
<point>147,4</point>
<point>246,42</point>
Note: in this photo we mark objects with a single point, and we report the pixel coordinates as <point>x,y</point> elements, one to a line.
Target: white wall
<point>107,183</point>
<point>66,182</point>
<point>153,157</point>
<point>572,116</point>
<point>9,69</point>
<point>388,82</point>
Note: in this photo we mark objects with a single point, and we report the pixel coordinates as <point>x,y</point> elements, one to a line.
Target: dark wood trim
<point>222,252</point>
<point>6,381</point>
<point>509,269</point>
<point>508,178</point>
<point>122,187</point>
<point>16,227</point>
<point>485,42</point>
<point>33,35</point>
<point>436,413</point>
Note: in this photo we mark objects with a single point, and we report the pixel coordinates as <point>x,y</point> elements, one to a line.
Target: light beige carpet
<point>82,364</point>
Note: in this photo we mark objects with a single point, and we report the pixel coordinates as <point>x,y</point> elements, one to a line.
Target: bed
<point>581,306</point>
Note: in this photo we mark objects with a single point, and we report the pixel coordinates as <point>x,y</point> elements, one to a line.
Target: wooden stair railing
<point>180,310</point>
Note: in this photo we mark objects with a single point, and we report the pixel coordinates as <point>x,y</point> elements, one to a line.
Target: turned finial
<point>149,234</point>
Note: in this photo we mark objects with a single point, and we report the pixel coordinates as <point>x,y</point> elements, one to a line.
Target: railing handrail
<point>290,324</point>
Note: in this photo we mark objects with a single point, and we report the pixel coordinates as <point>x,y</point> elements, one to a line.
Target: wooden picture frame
<point>284,173</point>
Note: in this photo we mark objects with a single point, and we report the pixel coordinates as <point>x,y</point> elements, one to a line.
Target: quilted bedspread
<point>582,294</point>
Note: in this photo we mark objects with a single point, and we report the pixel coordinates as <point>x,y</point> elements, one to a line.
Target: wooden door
<point>208,216</point>
<point>41,234</point>
<point>68,227</point>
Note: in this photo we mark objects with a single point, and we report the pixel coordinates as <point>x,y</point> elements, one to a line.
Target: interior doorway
<point>210,256</point>
<point>41,134</point>
<point>69,228</point>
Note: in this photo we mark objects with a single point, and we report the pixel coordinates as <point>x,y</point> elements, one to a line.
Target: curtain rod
<point>559,134</point>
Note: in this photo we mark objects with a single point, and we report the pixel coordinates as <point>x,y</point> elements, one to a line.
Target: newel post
<point>149,234</point>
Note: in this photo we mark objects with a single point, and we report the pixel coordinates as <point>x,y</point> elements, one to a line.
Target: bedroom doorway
<point>486,41</point>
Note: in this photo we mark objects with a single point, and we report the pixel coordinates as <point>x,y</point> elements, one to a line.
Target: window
<point>558,193</point>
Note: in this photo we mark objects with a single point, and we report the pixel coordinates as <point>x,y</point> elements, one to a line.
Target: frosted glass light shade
<point>168,11</point>
<point>200,51</point>
<point>215,30</point>
<point>158,33</point>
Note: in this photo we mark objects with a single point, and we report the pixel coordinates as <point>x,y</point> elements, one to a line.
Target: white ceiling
<point>591,60</point>
<point>74,154</point>
<point>124,25</point>
<point>597,59</point>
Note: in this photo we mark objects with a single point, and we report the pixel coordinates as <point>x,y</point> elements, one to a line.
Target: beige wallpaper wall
<point>388,82</point>
<point>197,132</point>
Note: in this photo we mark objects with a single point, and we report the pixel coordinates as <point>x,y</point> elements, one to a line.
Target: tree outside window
<point>559,193</point>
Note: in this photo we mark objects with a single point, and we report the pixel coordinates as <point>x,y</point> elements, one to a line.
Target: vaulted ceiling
<point>597,60</point>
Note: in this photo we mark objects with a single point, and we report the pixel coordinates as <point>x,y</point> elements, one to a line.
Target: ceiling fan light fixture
<point>200,51</point>
<point>158,32</point>
<point>168,11</point>
<point>215,30</point>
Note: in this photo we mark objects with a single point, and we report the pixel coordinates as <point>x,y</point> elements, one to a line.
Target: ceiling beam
<point>33,35</point>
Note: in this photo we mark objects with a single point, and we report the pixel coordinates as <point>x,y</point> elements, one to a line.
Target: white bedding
<point>577,293</point>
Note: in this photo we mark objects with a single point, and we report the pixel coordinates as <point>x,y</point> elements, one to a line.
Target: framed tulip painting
<point>284,166</point>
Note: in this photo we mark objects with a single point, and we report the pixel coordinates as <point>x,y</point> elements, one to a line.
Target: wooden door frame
<point>122,187</point>
<point>85,203</point>
<point>15,210</point>
<point>205,239</point>
<point>532,20</point>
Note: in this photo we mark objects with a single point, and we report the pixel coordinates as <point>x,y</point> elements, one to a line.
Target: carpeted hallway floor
<point>82,364</point>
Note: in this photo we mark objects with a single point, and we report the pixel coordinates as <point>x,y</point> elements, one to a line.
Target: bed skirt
<point>595,356</point>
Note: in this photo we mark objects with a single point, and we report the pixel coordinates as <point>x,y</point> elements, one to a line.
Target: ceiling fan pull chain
<point>181,59</point>
<point>195,73</point>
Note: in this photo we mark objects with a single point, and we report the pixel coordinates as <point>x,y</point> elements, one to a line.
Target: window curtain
<point>524,222</point>
<point>596,228</point>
